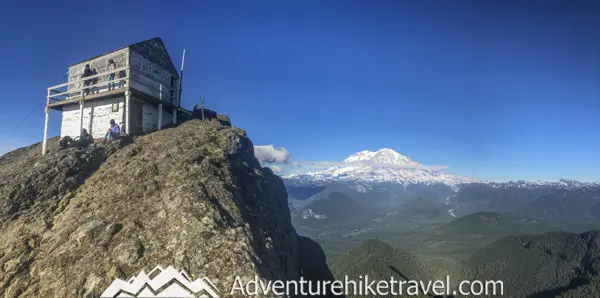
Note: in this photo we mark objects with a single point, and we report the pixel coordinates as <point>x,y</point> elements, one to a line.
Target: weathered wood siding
<point>100,63</point>
<point>99,111</point>
<point>136,116</point>
<point>149,118</point>
<point>159,75</point>
<point>167,117</point>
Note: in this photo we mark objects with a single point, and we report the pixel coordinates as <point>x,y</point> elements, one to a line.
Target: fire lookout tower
<point>137,86</point>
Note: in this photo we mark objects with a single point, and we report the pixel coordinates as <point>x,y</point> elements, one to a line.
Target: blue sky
<point>496,90</point>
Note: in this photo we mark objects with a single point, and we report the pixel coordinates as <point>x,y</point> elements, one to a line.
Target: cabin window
<point>146,67</point>
<point>136,63</point>
<point>171,91</point>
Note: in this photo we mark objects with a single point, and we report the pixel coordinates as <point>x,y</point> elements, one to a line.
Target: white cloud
<point>270,154</point>
<point>275,169</point>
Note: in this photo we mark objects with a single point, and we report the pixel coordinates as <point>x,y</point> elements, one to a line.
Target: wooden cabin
<point>142,95</point>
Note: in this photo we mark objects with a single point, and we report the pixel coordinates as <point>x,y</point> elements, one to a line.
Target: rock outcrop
<point>209,114</point>
<point>192,196</point>
<point>313,265</point>
<point>33,189</point>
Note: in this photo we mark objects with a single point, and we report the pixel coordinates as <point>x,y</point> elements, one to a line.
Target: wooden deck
<point>149,89</point>
<point>58,104</point>
<point>90,97</point>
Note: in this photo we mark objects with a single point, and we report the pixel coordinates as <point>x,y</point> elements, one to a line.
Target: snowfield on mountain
<point>384,165</point>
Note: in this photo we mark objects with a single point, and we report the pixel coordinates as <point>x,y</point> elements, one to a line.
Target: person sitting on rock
<point>114,132</point>
<point>84,138</point>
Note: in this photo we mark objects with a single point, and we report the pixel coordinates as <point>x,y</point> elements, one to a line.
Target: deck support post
<point>174,115</point>
<point>91,125</point>
<point>127,112</point>
<point>47,110</point>
<point>160,115</point>
<point>81,114</point>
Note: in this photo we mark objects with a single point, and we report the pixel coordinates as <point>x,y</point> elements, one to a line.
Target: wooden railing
<point>77,88</point>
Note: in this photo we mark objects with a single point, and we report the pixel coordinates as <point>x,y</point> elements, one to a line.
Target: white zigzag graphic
<point>141,286</point>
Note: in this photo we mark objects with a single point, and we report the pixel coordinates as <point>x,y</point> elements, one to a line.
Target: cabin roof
<point>140,48</point>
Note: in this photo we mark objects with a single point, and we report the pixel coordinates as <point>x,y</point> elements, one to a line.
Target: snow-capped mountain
<point>384,165</point>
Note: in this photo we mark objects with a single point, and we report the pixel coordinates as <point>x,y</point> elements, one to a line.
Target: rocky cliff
<point>192,196</point>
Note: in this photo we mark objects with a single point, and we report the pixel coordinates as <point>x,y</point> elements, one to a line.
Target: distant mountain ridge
<point>562,183</point>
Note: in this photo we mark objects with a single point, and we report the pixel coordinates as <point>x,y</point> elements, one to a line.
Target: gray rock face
<point>33,189</point>
<point>193,197</point>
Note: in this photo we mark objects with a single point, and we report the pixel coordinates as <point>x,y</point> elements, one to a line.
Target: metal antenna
<point>202,106</point>
<point>181,80</point>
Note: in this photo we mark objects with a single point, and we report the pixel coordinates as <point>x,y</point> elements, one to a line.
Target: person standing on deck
<point>111,75</point>
<point>87,71</point>
<point>95,82</point>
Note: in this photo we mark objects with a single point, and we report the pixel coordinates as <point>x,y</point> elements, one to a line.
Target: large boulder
<point>210,115</point>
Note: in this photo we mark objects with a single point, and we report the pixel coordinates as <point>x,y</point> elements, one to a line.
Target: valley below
<point>422,232</point>
<point>423,225</point>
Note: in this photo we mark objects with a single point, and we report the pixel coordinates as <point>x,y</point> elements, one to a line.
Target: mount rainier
<point>382,166</point>
<point>388,166</point>
<point>386,180</point>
